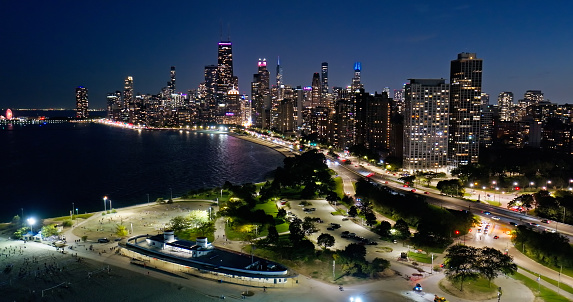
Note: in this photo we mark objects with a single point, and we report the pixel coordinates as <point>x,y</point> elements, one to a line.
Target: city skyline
<point>56,48</point>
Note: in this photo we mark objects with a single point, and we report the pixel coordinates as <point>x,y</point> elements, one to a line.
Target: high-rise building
<point>426,125</point>
<point>279,75</point>
<point>356,84</point>
<point>316,91</point>
<point>171,84</point>
<point>128,100</point>
<point>82,102</point>
<point>261,96</point>
<point>505,106</point>
<point>114,105</point>
<point>225,77</point>
<point>373,114</point>
<point>465,109</point>
<point>324,80</point>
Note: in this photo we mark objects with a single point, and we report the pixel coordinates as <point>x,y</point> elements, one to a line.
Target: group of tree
<point>401,230</point>
<point>435,226</point>
<point>197,221</point>
<point>365,209</point>
<point>548,248</point>
<point>353,261</point>
<point>557,206</point>
<point>451,187</point>
<point>465,263</point>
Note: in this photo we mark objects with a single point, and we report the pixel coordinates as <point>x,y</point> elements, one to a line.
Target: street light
<point>31,222</point>
<point>105,204</point>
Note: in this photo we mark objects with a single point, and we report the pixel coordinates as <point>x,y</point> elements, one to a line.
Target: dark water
<point>44,169</point>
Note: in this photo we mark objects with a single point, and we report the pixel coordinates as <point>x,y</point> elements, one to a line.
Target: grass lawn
<point>339,212</point>
<point>545,293</point>
<point>563,286</point>
<point>420,257</point>
<point>269,207</point>
<point>339,187</point>
<point>479,289</point>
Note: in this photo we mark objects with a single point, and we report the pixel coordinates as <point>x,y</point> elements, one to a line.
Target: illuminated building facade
<point>324,80</point>
<point>505,106</point>
<point>82,104</point>
<point>356,84</point>
<point>426,125</point>
<point>465,109</point>
<point>260,96</point>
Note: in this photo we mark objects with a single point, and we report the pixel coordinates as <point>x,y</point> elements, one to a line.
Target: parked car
<point>495,218</point>
<point>513,223</point>
<point>495,237</point>
<point>103,240</point>
<point>545,221</point>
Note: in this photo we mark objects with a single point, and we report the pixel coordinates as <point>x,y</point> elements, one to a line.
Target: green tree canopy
<point>325,240</point>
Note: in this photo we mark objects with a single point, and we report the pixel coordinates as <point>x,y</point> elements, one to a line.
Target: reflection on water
<point>47,168</point>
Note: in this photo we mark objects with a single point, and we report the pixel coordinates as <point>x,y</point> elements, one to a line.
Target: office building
<point>356,84</point>
<point>505,106</point>
<point>465,109</point>
<point>324,80</point>
<point>261,96</point>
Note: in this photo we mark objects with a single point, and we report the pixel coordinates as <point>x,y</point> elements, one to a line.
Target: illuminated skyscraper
<point>356,85</point>
<point>171,84</point>
<point>128,92</point>
<point>465,109</point>
<point>279,74</point>
<point>82,102</point>
<point>225,78</point>
<point>260,95</point>
<point>324,80</point>
<point>426,125</point>
<point>505,105</point>
<point>316,90</point>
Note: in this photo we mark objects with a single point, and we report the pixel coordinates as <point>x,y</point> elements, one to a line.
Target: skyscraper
<point>465,109</point>
<point>81,102</point>
<point>171,84</point>
<point>316,90</point>
<point>324,80</point>
<point>426,125</point>
<point>260,95</point>
<point>225,78</point>
<point>505,105</point>
<point>356,85</point>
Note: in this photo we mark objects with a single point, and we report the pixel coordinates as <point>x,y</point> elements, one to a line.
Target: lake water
<point>46,168</point>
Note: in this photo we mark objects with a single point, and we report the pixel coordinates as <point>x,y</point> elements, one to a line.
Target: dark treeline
<point>547,248</point>
<point>435,226</point>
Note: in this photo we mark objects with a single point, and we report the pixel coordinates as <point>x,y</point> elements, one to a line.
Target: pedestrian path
<point>547,284</point>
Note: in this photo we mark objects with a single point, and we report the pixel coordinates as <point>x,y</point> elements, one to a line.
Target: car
<point>344,236</point>
<point>545,221</point>
<point>418,287</point>
<point>479,230</point>
<point>426,192</point>
<point>330,229</point>
<point>551,230</point>
<point>372,243</point>
<point>413,190</point>
<point>352,235</point>
<point>495,218</point>
<point>103,240</point>
<point>345,233</point>
<point>486,213</point>
<point>495,237</point>
<point>533,224</point>
<point>345,219</point>
<point>513,223</point>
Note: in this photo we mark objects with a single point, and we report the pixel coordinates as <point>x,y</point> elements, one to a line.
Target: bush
<point>67,223</point>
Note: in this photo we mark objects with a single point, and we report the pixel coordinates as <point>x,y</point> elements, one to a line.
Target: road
<point>501,226</point>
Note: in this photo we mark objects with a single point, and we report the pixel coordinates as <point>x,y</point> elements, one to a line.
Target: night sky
<point>47,48</point>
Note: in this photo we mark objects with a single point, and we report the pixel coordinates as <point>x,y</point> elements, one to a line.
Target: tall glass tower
<point>225,79</point>
<point>465,109</point>
<point>81,102</point>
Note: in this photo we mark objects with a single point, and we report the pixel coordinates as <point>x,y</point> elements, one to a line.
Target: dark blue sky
<point>47,48</point>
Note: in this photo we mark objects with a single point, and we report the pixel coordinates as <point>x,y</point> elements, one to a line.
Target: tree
<point>273,235</point>
<point>377,265</point>
<point>296,233</point>
<point>370,218</point>
<point>332,197</point>
<point>353,211</point>
<point>492,262</point>
<point>16,221</point>
<point>460,263</point>
<point>67,223</point>
<point>325,240</point>
<point>408,180</point>
<point>84,238</point>
<point>281,213</point>
<point>402,229</point>
<point>308,225</point>
<point>121,230</point>
<point>383,229</point>
<point>159,200</point>
<point>49,230</point>
<point>197,217</point>
<point>179,223</point>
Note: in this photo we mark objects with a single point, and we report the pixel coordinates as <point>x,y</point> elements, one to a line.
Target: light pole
<point>31,222</point>
<point>105,204</point>
<point>72,212</point>
<point>548,185</point>
<point>498,201</point>
<point>148,198</point>
<point>531,184</point>
<point>110,207</point>
<point>171,192</point>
